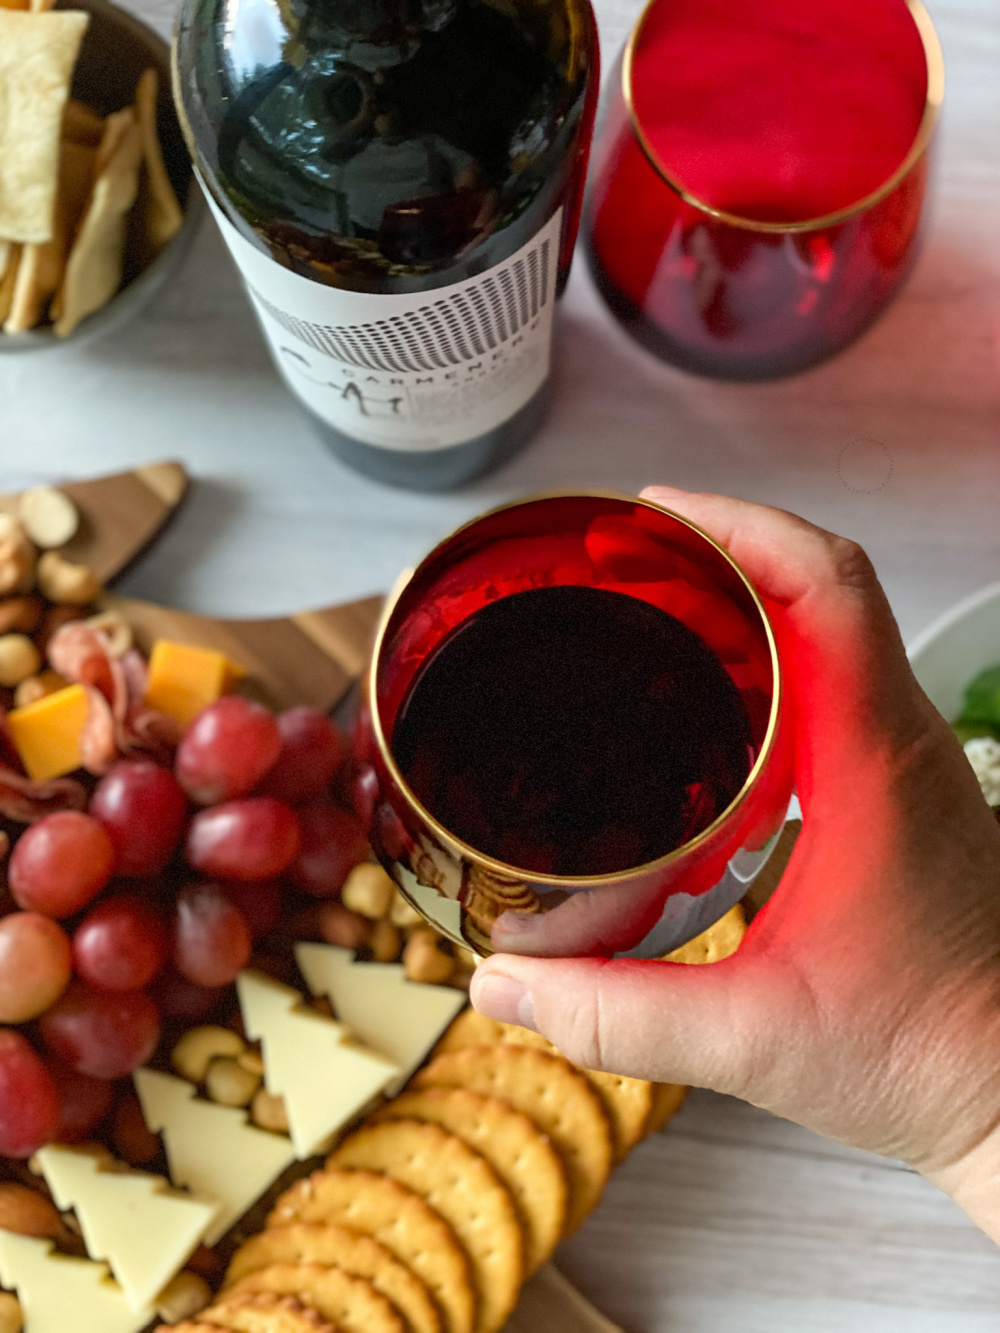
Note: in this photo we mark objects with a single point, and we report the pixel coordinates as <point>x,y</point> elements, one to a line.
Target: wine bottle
<point>400,183</point>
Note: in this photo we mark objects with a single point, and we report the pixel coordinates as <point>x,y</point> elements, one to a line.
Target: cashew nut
<point>17,557</point>
<point>199,1047</point>
<point>19,659</point>
<point>183,1297</point>
<point>369,891</point>
<point>116,630</point>
<point>228,1083</point>
<point>61,580</point>
<point>37,687</point>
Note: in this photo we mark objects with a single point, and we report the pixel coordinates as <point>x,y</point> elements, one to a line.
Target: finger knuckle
<point>849,565</point>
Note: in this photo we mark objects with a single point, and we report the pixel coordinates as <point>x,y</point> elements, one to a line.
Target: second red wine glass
<point>574,709</point>
<point>760,176</point>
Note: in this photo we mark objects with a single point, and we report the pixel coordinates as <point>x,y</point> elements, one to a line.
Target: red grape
<point>332,843</point>
<point>252,839</point>
<point>29,1104</point>
<point>83,1101</point>
<point>143,808</point>
<point>179,998</point>
<point>260,904</point>
<point>311,752</point>
<point>35,965</point>
<point>121,944</point>
<point>103,1033</point>
<point>226,750</point>
<point>211,939</point>
<point>61,863</point>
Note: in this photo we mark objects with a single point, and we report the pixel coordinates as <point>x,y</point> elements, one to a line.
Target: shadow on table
<point>171,565</point>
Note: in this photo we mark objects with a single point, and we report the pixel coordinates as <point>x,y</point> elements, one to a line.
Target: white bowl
<point>956,647</point>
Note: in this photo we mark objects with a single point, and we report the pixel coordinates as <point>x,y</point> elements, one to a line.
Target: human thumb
<point>669,1022</point>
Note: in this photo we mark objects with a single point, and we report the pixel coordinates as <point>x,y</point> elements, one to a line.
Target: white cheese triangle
<point>59,1294</point>
<point>309,1060</point>
<point>399,1018</point>
<point>131,1219</point>
<point>211,1149</point>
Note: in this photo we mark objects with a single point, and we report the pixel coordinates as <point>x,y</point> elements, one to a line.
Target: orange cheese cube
<point>183,679</point>
<point>46,734</point>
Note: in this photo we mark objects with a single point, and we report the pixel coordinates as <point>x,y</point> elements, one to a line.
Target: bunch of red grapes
<point>142,908</point>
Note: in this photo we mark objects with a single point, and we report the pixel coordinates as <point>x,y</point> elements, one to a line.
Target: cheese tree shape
<point>60,1294</point>
<point>211,1149</point>
<point>325,1078</point>
<point>131,1219</point>
<point>399,1018</point>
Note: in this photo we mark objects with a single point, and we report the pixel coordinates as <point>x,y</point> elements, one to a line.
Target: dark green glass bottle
<point>399,182</point>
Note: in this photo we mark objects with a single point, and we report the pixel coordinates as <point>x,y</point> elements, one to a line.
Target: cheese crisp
<point>37,54</point>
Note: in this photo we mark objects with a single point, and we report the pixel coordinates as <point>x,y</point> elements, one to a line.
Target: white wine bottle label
<point>416,372</point>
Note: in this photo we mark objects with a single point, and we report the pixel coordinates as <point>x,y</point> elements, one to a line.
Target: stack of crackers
<point>430,1216</point>
<point>85,200</point>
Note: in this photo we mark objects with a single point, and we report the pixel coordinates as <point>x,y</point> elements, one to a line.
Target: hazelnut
<point>336,925</point>
<point>199,1046</point>
<point>183,1297</point>
<point>369,891</point>
<point>11,1318</point>
<point>268,1112</point>
<point>61,580</point>
<point>20,615</point>
<point>228,1083</point>
<point>424,961</point>
<point>385,941</point>
<point>19,659</point>
<point>27,1212</point>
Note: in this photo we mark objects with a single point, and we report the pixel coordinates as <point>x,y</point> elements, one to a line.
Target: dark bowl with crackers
<point>102,206</point>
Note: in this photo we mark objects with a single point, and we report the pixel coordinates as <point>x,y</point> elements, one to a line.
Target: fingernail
<point>515,923</point>
<point>656,492</point>
<point>503,999</point>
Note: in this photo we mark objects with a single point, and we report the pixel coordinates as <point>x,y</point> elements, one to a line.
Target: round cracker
<point>553,1094</point>
<point>628,1101</point>
<point>668,1098</point>
<point>515,1148</point>
<point>340,1247</point>
<point>350,1304</point>
<point>259,1313</point>
<point>403,1222</point>
<point>459,1184</point>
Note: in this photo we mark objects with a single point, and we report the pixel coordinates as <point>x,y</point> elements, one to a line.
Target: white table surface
<point>732,1221</point>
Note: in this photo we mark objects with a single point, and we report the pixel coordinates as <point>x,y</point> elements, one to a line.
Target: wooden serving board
<point>314,657</point>
<point>310,658</point>
<point>119,515</point>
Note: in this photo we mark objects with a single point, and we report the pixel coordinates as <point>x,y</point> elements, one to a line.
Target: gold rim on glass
<point>934,59</point>
<point>462,849</point>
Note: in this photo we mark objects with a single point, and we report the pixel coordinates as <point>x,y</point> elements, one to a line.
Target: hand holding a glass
<point>864,1002</point>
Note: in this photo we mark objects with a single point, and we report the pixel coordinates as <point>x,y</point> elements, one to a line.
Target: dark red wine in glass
<point>574,707</point>
<point>760,177</point>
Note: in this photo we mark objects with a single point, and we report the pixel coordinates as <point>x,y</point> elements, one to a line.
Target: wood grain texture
<point>311,658</point>
<point>120,515</point>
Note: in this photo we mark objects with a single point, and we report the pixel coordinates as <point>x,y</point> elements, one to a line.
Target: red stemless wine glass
<point>760,176</point>
<point>501,696</point>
